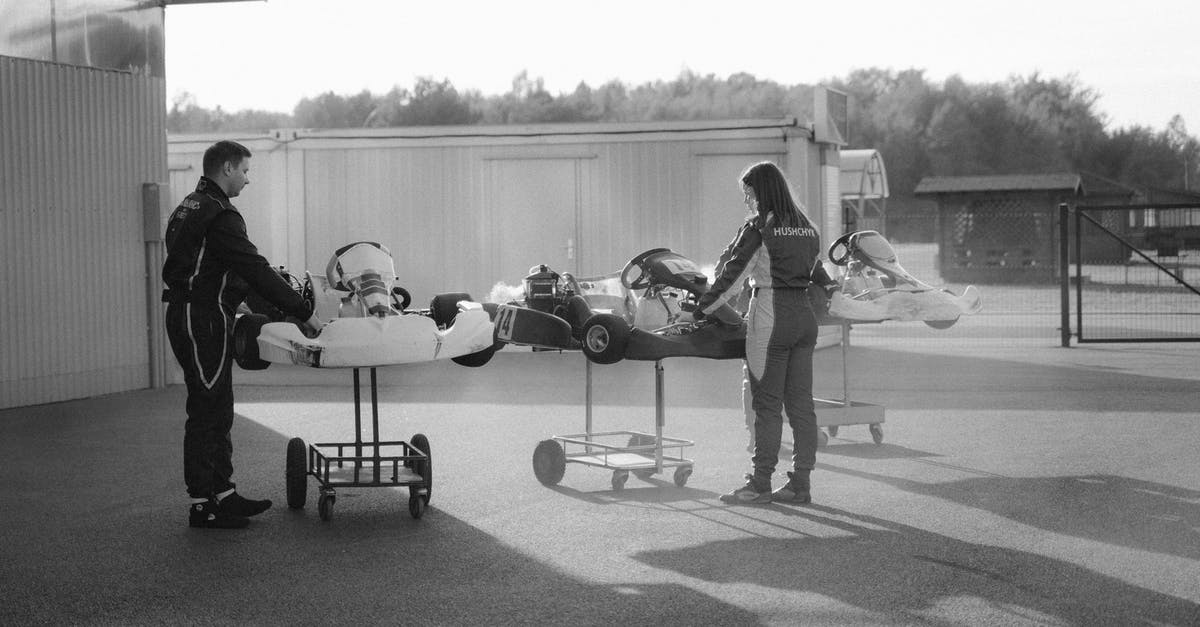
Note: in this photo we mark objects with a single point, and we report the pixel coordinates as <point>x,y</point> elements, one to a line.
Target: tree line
<point>1026,124</point>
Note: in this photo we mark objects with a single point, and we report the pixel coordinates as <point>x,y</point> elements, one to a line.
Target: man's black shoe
<point>239,505</point>
<point>209,515</point>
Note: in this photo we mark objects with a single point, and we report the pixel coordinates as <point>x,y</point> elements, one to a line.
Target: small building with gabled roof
<point>1002,228</point>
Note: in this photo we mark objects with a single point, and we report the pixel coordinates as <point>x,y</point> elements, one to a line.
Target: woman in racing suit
<point>776,250</point>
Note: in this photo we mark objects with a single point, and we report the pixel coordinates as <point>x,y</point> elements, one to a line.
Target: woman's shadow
<point>903,573</point>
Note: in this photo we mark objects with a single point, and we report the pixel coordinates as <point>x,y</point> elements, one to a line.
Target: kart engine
<point>365,269</point>
<point>543,289</point>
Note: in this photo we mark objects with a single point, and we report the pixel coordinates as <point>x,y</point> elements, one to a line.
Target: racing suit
<point>210,267</point>
<point>780,263</point>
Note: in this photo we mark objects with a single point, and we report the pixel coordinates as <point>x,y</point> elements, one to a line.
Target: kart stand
<point>360,464</point>
<point>833,413</point>
<point>623,452</point>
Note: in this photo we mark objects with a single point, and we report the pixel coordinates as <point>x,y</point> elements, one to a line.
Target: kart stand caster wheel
<point>423,467</point>
<point>618,479</point>
<point>682,473</point>
<point>822,438</point>
<point>877,433</point>
<point>645,474</point>
<point>833,429</point>
<point>416,503</point>
<point>549,462</point>
<point>296,473</point>
<point>325,505</point>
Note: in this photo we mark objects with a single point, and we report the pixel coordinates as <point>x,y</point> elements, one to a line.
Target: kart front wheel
<point>605,337</point>
<point>245,341</point>
<point>475,360</point>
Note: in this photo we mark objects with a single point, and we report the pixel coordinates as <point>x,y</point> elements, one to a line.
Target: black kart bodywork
<point>633,314</point>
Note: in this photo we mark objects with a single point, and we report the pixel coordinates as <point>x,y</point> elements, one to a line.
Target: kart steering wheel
<point>844,242</point>
<point>640,282</point>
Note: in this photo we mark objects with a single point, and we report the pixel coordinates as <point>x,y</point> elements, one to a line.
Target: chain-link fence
<point>1136,271</point>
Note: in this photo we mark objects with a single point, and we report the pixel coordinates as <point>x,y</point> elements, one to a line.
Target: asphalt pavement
<point>1017,483</point>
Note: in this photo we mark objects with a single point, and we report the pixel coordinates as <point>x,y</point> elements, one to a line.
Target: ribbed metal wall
<point>76,145</point>
<point>445,202</point>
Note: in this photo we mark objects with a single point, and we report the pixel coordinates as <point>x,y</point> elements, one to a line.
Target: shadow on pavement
<point>94,532</point>
<point>909,574</point>
<point>1105,508</point>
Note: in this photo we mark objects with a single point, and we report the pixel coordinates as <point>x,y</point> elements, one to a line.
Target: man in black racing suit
<point>211,265</point>
<point>776,251</point>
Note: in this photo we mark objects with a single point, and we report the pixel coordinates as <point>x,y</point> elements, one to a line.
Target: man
<point>211,265</point>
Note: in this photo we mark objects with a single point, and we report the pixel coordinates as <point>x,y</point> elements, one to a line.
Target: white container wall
<point>462,208</point>
<point>76,145</point>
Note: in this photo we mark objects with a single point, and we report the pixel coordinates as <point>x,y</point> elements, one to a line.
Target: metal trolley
<point>834,413</point>
<point>360,464</point>
<point>623,452</point>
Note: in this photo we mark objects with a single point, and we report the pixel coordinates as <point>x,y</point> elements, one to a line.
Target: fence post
<point>1064,265</point>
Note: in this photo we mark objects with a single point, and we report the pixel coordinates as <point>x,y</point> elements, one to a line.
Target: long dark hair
<point>771,189</point>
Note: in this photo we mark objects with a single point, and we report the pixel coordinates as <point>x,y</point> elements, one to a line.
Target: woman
<point>776,250</point>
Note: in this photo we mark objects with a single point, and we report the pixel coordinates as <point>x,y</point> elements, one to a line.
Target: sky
<point>1142,58</point>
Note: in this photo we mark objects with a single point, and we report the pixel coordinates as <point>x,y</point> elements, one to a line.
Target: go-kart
<point>369,321</point>
<point>875,287</point>
<point>643,322</point>
<point>632,314</point>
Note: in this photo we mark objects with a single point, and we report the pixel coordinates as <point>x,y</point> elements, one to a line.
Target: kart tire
<point>477,359</point>
<point>941,324</point>
<point>296,473</point>
<point>577,313</point>
<point>245,341</point>
<point>605,337</point>
<point>444,307</point>
<point>549,462</point>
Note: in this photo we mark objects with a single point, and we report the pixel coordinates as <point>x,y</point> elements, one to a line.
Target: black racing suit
<point>210,267</point>
<point>780,263</point>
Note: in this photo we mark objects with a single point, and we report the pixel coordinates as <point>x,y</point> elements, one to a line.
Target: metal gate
<point>1135,271</point>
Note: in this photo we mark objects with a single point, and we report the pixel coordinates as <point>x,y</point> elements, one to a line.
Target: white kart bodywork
<point>372,341</point>
<point>875,287</point>
<point>367,328</point>
<point>903,305</point>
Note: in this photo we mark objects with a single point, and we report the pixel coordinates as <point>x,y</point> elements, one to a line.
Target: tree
<point>1185,145</point>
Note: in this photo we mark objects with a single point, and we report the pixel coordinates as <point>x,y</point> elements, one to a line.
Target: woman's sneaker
<point>208,515</point>
<point>748,494</point>
<point>798,489</point>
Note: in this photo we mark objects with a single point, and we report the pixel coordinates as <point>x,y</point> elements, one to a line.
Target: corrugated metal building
<point>77,143</point>
<point>465,207</point>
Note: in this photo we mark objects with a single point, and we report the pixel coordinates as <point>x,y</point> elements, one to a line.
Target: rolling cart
<point>360,464</point>
<point>623,452</point>
<point>834,413</point>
